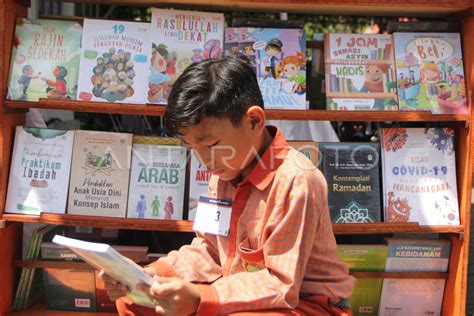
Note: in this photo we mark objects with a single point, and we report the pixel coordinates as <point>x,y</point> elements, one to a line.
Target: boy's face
<point>224,149</point>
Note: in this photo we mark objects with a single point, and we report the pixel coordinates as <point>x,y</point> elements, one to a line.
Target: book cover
<point>69,289</point>
<point>44,60</point>
<point>39,172</point>
<point>156,180</point>
<point>308,148</point>
<point>100,174</point>
<point>430,74</point>
<point>198,185</point>
<point>316,75</point>
<point>366,294</point>
<point>419,174</point>
<point>103,301</point>
<point>360,72</point>
<point>278,57</point>
<point>231,41</point>
<point>178,39</point>
<point>114,61</point>
<point>52,251</point>
<point>352,175</point>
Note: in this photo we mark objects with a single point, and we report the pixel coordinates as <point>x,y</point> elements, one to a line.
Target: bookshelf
<point>12,114</point>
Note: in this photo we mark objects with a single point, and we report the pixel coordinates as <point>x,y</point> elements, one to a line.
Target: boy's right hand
<point>114,289</point>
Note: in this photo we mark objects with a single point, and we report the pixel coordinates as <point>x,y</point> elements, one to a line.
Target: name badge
<point>213,216</point>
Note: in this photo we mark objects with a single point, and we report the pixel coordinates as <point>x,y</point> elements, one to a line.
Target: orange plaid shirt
<point>280,246</point>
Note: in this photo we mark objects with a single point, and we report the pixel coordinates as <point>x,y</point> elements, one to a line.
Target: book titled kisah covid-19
<point>157,178</point>
<point>114,61</point>
<point>44,60</point>
<point>178,39</point>
<point>100,174</point>
<point>39,172</point>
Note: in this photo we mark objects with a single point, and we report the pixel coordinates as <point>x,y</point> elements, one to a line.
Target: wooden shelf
<point>339,7</point>
<point>317,115</point>
<point>187,226</point>
<point>38,309</point>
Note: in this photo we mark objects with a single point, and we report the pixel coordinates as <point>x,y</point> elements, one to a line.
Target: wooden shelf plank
<point>187,226</point>
<point>317,115</point>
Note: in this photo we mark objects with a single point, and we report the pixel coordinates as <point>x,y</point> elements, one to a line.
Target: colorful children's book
<point>45,60</point>
<point>352,174</point>
<point>430,73</point>
<point>360,72</point>
<point>278,57</point>
<point>157,179</point>
<point>114,61</point>
<point>231,41</point>
<point>178,39</point>
<point>100,174</point>
<point>419,174</point>
<point>198,184</point>
<point>39,173</point>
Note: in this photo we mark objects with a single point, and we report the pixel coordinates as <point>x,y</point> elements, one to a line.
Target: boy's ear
<point>256,117</point>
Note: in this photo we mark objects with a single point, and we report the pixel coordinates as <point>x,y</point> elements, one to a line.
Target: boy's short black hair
<point>218,88</point>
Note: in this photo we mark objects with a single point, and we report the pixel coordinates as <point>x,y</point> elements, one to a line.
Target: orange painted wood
<point>10,239</point>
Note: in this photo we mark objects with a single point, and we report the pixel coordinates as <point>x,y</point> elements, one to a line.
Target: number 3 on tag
<point>213,216</point>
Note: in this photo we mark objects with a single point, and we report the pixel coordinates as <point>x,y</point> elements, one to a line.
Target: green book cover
<point>45,60</point>
<point>366,294</point>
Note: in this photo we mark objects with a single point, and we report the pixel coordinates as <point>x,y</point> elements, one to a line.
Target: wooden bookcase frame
<point>12,114</point>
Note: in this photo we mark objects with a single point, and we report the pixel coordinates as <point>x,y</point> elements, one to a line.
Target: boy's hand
<point>114,289</point>
<point>173,296</point>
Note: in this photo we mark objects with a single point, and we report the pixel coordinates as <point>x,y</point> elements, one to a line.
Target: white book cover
<point>120,268</point>
<point>198,184</point>
<point>114,61</point>
<point>178,39</point>
<point>420,176</point>
<point>157,180</point>
<point>39,173</point>
<point>100,174</point>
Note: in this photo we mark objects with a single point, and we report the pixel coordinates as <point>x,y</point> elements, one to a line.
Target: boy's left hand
<point>172,296</point>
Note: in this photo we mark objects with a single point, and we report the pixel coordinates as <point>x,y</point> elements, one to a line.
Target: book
<point>360,72</point>
<point>118,267</point>
<point>39,172</point>
<point>103,301</point>
<point>178,39</point>
<point>198,184</point>
<point>419,175</point>
<point>100,174</point>
<point>366,294</point>
<point>308,148</point>
<point>352,174</point>
<point>114,61</point>
<point>278,56</point>
<point>430,74</point>
<point>44,60</point>
<point>316,93</point>
<point>156,180</point>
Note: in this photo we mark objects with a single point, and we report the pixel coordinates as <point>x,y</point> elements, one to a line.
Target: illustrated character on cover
<point>159,80</point>
<point>374,75</point>
<point>57,89</point>
<point>430,75</point>
<point>141,206</point>
<point>290,68</point>
<point>197,55</point>
<point>25,79</point>
<point>155,207</point>
<point>169,208</point>
<point>273,57</point>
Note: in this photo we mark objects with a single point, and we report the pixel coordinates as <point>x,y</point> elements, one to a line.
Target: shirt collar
<point>264,171</point>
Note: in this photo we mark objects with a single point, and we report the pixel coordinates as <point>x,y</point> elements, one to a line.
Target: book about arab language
<point>114,61</point>
<point>44,60</point>
<point>178,39</point>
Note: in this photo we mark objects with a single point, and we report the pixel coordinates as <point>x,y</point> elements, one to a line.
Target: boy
<point>279,256</point>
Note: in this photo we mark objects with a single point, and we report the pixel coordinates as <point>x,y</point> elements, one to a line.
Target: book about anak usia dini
<point>360,72</point>
<point>157,179</point>
<point>198,185</point>
<point>45,60</point>
<point>114,61</point>
<point>278,57</point>
<point>419,175</point>
<point>178,39</point>
<point>39,173</point>
<point>430,74</point>
<point>100,174</point>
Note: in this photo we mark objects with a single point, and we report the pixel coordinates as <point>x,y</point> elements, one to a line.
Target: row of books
<point>394,296</point>
<point>134,62</point>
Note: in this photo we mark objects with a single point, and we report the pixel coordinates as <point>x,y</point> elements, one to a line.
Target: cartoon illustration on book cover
<point>279,60</point>
<point>360,72</point>
<point>430,73</point>
<point>179,39</point>
<point>114,61</point>
<point>45,60</point>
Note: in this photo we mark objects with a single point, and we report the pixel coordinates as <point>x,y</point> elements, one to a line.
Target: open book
<point>122,269</point>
